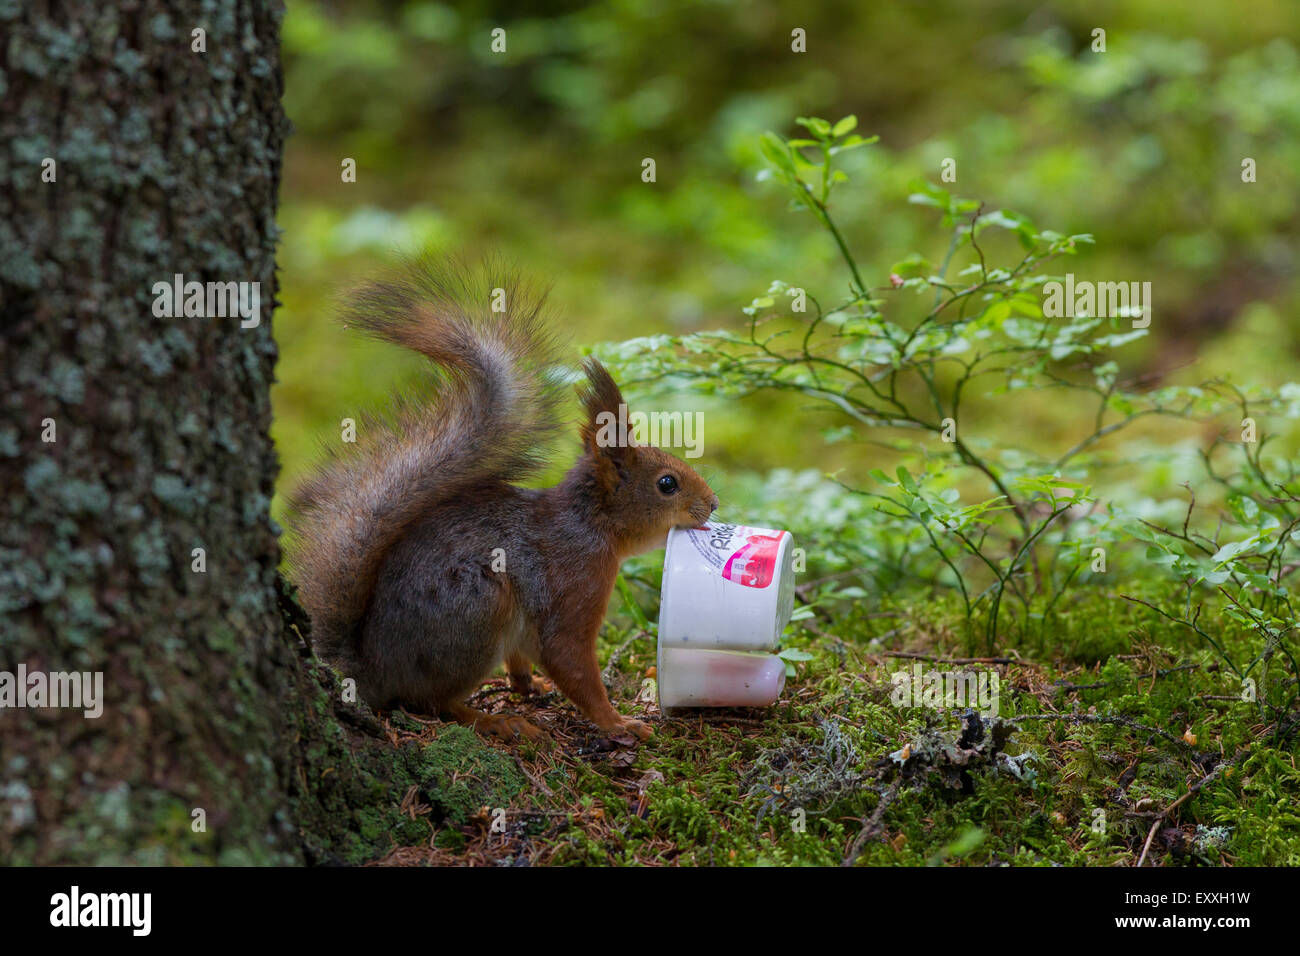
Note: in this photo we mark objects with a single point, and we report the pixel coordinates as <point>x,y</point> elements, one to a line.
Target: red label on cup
<point>755,563</point>
<point>741,554</point>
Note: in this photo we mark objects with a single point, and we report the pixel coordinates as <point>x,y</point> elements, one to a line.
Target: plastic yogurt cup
<point>726,587</point>
<point>718,678</point>
<point>728,593</point>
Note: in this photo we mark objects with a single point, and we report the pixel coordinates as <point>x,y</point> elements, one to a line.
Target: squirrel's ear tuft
<point>602,394</point>
<point>601,431</point>
<point>600,400</point>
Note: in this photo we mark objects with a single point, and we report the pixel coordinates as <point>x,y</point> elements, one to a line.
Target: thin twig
<point>1163,814</point>
<point>1104,719</point>
<point>536,782</point>
<point>1070,688</point>
<point>872,824</point>
<point>952,660</point>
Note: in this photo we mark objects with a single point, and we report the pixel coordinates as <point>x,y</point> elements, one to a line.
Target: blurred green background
<point>537,153</point>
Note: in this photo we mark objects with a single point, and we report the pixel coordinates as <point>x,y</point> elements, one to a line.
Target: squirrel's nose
<point>713,505</point>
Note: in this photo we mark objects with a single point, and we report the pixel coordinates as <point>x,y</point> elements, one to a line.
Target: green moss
<point>351,810</point>
<point>459,774</point>
<point>731,793</point>
<point>450,840</point>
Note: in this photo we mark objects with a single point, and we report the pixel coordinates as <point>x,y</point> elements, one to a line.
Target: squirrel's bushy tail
<point>490,418</point>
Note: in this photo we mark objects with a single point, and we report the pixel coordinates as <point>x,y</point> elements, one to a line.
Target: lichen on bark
<point>166,161</point>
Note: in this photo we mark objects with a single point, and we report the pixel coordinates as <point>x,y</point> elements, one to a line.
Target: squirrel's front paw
<point>637,728</point>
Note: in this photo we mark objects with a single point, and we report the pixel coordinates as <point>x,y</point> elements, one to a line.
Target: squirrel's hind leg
<point>501,726</point>
<point>522,679</point>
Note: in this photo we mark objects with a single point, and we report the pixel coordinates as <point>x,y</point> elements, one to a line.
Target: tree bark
<point>129,440</point>
<point>166,161</point>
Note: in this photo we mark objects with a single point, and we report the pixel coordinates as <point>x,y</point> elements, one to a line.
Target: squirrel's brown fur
<point>396,537</point>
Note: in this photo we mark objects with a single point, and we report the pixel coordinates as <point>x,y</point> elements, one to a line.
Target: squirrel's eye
<point>668,484</point>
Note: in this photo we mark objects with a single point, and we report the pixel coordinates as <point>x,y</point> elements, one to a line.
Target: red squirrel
<point>396,536</point>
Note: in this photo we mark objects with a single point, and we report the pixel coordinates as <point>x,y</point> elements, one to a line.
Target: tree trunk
<point>165,161</point>
<point>137,470</point>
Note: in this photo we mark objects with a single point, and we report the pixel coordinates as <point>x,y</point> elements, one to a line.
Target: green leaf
<point>774,148</point>
<point>852,142</point>
<point>846,125</point>
<point>1231,550</point>
<point>1243,507</point>
<point>819,127</point>
<point>997,311</point>
<point>929,199</point>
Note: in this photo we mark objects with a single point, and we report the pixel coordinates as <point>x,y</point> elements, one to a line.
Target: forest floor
<point>1137,748</point>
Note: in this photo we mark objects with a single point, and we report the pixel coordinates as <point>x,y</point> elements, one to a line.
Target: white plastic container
<point>728,593</point>
<point>718,678</point>
<point>726,587</point>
